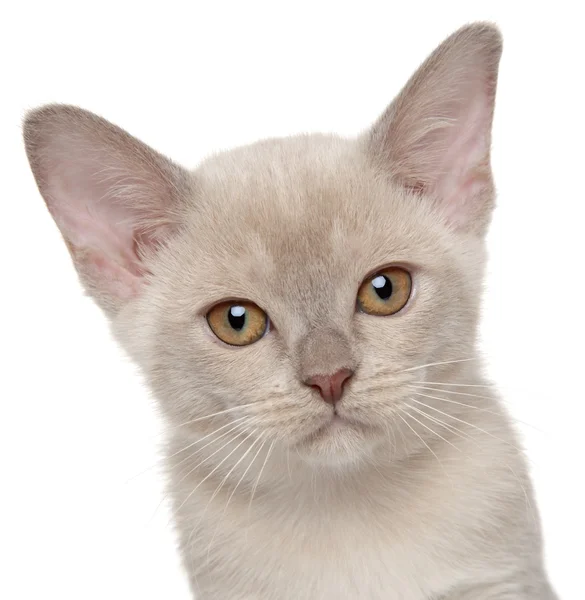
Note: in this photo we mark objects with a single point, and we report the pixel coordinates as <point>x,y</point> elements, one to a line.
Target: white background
<point>76,427</point>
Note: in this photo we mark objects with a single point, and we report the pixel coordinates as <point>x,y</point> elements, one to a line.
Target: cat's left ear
<point>435,137</point>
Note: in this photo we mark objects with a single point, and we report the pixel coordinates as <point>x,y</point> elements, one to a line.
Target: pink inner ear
<point>115,280</point>
<point>89,217</point>
<point>462,171</point>
<point>106,255</point>
<point>105,232</point>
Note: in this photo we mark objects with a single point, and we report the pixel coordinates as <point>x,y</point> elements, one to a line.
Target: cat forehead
<point>300,186</point>
<point>288,175</point>
<point>307,195</point>
<point>304,214</point>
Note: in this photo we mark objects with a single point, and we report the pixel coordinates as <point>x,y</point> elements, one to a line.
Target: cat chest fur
<point>316,540</point>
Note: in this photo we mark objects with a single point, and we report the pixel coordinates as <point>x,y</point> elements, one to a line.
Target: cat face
<point>298,241</point>
<point>295,286</point>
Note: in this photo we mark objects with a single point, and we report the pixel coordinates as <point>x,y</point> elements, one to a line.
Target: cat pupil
<point>237,317</point>
<point>383,287</point>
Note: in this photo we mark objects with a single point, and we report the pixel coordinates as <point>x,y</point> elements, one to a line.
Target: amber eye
<point>386,292</point>
<point>238,323</point>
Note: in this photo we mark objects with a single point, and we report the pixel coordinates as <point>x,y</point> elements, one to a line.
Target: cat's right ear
<point>434,139</point>
<point>114,199</point>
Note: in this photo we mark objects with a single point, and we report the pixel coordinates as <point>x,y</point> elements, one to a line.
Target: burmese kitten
<point>306,312</point>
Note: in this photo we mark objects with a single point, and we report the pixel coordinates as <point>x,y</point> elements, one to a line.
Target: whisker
<point>242,426</point>
<point>444,391</point>
<point>234,467</point>
<point>454,401</point>
<point>466,423</point>
<point>194,528</point>
<point>258,481</point>
<point>391,432</point>
<point>213,471</point>
<point>248,468</point>
<point>438,421</point>
<point>486,410</point>
<point>404,443</point>
<point>434,364</point>
<point>221,412</point>
<point>462,434</point>
<point>199,440</point>
<point>244,429</point>
<point>189,446</point>
<point>432,431</point>
<point>235,487</point>
<point>288,463</point>
<point>421,439</point>
<point>475,385</point>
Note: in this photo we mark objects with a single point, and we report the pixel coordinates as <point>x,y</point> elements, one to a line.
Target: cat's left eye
<point>386,292</point>
<point>238,323</point>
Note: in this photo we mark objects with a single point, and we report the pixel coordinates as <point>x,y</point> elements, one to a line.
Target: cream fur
<point>421,494</point>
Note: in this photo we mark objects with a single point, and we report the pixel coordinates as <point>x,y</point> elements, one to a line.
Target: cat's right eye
<point>238,323</point>
<point>386,292</point>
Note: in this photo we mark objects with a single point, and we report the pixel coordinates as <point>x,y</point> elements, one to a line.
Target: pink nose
<point>330,386</point>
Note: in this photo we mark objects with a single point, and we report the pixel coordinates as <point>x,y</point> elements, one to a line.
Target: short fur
<point>419,492</point>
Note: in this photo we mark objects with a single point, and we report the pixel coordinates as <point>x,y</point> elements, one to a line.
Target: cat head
<point>294,286</point>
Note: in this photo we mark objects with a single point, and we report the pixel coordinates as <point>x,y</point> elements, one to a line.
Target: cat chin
<point>339,444</point>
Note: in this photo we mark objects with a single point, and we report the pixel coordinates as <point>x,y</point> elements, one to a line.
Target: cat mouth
<point>336,422</point>
<point>334,426</point>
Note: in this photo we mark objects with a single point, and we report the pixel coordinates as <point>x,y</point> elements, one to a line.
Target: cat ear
<point>435,137</point>
<point>113,198</point>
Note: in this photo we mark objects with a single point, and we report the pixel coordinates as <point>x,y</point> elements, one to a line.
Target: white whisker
<point>486,410</point>
<point>462,434</point>
<point>431,430</point>
<point>247,469</point>
<point>234,467</point>
<point>453,401</point>
<point>221,412</point>
<point>239,429</point>
<point>189,446</point>
<point>258,481</point>
<point>438,421</point>
<point>288,463</point>
<point>212,471</point>
<point>434,364</point>
<point>242,426</point>
<point>193,454</point>
<point>243,429</point>
<point>466,423</point>
<point>444,391</point>
<point>199,440</point>
<point>391,432</point>
<point>235,487</point>
<point>421,439</point>
<point>475,385</point>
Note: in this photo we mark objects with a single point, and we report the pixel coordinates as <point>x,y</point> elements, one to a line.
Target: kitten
<point>306,312</point>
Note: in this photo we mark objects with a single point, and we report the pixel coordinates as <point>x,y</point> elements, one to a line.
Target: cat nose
<point>330,386</point>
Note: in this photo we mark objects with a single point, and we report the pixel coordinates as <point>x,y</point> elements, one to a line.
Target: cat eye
<point>238,323</point>
<point>386,292</point>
